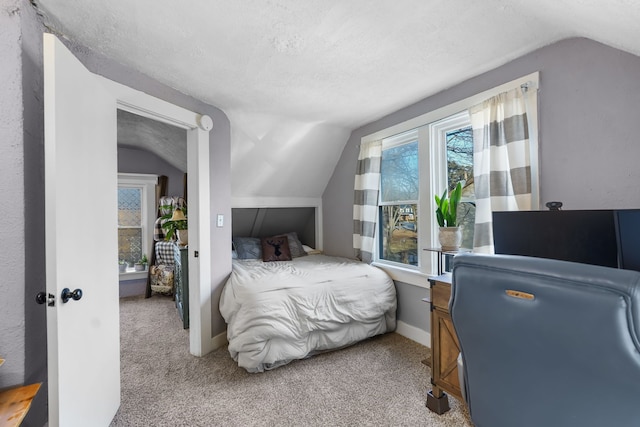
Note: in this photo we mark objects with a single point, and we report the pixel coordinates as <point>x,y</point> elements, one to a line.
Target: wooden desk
<point>444,347</point>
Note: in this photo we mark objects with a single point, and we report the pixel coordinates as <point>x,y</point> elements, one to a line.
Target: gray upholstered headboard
<point>264,222</point>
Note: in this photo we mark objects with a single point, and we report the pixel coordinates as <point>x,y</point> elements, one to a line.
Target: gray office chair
<point>546,342</point>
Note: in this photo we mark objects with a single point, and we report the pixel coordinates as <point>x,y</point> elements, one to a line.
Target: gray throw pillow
<point>248,247</point>
<point>295,246</point>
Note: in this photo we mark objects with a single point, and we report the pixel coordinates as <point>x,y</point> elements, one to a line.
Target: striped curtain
<point>365,205</point>
<point>501,161</point>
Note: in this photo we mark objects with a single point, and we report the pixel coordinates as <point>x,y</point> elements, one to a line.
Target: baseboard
<point>415,334</point>
<point>219,340</point>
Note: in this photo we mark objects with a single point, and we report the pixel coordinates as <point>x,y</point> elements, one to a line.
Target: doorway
<point>152,163</point>
<point>197,127</point>
<point>80,166</point>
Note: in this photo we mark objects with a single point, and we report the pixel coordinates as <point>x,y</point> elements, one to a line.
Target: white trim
<point>220,340</point>
<point>137,178</point>
<point>404,274</point>
<point>275,202</point>
<point>531,102</point>
<point>453,108</point>
<point>200,292</point>
<point>133,275</point>
<point>415,334</point>
<point>141,104</point>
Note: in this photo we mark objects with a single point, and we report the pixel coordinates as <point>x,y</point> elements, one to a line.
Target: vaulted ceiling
<point>295,77</point>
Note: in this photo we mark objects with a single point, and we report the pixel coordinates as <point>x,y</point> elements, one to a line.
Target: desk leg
<point>437,401</point>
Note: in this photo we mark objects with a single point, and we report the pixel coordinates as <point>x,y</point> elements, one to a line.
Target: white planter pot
<point>183,237</point>
<point>450,238</point>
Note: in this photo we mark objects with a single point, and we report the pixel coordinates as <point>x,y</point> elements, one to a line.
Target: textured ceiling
<point>168,142</point>
<point>293,74</point>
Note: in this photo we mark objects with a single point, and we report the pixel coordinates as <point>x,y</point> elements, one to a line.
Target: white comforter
<point>280,311</point>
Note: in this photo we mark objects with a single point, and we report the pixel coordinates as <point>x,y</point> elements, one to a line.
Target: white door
<point>83,336</point>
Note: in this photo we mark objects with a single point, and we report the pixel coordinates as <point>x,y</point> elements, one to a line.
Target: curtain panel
<point>502,161</point>
<point>365,205</point>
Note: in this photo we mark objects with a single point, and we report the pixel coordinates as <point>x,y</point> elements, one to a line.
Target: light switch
<point>220,220</point>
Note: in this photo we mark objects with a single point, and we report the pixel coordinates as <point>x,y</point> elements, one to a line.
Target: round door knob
<point>41,297</point>
<point>67,295</point>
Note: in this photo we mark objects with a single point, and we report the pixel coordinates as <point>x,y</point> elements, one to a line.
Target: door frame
<point>198,188</point>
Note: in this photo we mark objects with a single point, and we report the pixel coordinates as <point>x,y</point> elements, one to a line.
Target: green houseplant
<point>141,265</point>
<point>447,207</point>
<point>450,234</point>
<point>176,224</point>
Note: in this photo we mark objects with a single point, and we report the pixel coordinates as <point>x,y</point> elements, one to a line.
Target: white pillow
<point>310,251</point>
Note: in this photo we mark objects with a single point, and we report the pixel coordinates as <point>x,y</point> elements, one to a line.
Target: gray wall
<point>589,140</point>
<point>134,160</point>
<point>12,342</point>
<point>23,325</point>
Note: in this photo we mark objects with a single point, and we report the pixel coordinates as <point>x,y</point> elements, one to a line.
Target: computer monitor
<point>585,236</point>
<point>628,231</point>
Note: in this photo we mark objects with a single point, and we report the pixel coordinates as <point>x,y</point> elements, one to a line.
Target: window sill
<point>405,275</point>
<point>131,274</point>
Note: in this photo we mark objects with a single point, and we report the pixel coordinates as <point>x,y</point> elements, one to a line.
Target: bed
<point>280,311</point>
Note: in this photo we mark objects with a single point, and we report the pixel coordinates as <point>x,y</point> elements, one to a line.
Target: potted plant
<point>176,225</point>
<point>122,265</point>
<point>141,265</point>
<point>450,234</point>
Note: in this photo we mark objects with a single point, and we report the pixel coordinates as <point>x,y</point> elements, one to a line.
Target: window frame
<point>427,125</point>
<point>147,183</point>
<point>394,141</point>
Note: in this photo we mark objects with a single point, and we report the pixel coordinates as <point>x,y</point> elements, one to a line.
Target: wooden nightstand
<point>444,347</point>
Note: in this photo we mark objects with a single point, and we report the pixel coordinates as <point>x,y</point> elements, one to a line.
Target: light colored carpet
<point>379,382</point>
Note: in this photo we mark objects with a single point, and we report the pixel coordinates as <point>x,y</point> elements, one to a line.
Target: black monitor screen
<point>585,236</point>
<point>628,224</point>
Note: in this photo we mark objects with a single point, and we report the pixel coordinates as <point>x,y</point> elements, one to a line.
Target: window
<point>455,135</point>
<point>446,158</point>
<point>136,215</point>
<point>420,158</point>
<point>399,194</point>
<point>130,223</point>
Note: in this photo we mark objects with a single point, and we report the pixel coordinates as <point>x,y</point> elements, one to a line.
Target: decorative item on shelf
<point>450,234</point>
<point>176,226</point>
<point>122,265</point>
<point>141,265</point>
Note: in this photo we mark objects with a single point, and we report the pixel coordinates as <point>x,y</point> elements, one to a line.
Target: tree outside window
<point>399,193</point>
<point>459,143</point>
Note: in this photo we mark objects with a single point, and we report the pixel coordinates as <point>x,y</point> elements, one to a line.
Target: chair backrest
<point>546,342</point>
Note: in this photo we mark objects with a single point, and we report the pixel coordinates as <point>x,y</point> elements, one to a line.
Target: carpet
<point>378,382</point>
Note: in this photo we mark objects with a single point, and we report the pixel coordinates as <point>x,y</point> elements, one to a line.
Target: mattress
<point>277,312</point>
